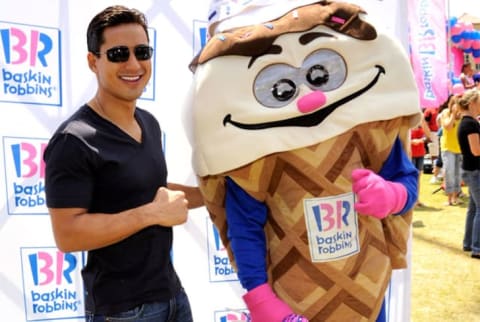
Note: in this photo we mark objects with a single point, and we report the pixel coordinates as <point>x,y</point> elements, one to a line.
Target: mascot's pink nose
<point>311,101</point>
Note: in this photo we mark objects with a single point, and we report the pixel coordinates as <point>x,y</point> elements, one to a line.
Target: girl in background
<point>469,140</point>
<point>438,164</point>
<point>451,154</point>
<point>418,139</point>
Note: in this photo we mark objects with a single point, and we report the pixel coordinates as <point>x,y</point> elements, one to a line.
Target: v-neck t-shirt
<point>93,164</point>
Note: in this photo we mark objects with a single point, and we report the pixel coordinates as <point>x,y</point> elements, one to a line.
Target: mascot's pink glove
<point>264,306</point>
<point>376,196</point>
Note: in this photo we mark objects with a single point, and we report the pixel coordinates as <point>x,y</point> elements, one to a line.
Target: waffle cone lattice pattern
<point>350,289</point>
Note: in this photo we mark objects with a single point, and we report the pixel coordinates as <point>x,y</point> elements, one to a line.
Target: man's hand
<point>170,206</point>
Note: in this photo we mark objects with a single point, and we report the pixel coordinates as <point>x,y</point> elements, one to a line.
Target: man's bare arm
<point>76,230</point>
<point>193,194</point>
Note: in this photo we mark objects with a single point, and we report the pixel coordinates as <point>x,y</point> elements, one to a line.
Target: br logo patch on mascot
<point>299,116</point>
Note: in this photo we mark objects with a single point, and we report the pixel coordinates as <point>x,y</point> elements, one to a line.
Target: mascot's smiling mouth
<point>308,120</point>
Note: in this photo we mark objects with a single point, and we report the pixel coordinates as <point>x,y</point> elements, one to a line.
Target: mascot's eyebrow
<point>303,40</point>
<point>273,50</point>
<point>311,36</point>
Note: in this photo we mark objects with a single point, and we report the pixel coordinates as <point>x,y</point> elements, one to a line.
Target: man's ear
<point>92,61</point>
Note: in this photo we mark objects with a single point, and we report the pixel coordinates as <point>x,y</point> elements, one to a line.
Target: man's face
<point>123,80</point>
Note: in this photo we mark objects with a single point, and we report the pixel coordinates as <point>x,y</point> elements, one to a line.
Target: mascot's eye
<point>324,70</point>
<point>284,89</point>
<point>278,85</point>
<point>275,85</point>
<point>317,75</point>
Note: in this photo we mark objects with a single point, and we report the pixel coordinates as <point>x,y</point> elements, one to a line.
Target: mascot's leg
<point>246,218</point>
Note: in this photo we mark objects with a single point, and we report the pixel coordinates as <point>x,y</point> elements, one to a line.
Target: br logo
<point>216,239</point>
<point>27,159</point>
<point>200,36</point>
<point>20,47</point>
<point>220,268</point>
<point>328,216</point>
<point>52,284</point>
<point>25,174</point>
<point>233,317</point>
<point>332,227</point>
<point>30,57</point>
<point>48,268</point>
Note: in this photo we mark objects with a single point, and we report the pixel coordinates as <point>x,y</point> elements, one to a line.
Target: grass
<point>445,279</point>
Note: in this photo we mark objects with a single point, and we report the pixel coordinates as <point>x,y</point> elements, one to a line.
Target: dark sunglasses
<point>120,54</point>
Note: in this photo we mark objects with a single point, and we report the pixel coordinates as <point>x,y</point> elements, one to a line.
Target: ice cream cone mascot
<point>300,112</point>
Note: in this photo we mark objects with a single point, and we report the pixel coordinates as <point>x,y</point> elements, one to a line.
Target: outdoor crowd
<point>450,136</point>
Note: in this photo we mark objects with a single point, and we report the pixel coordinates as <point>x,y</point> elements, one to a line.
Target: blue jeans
<point>452,164</point>
<point>175,310</point>
<point>471,238</point>
<point>418,162</point>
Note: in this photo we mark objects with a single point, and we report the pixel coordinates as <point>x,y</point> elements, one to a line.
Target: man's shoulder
<point>143,112</point>
<point>80,118</point>
<point>147,117</point>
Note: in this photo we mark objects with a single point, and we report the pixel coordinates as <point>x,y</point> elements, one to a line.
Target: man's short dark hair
<point>110,17</point>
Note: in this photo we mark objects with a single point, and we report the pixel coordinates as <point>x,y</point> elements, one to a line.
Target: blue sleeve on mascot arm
<point>246,218</point>
<point>399,168</point>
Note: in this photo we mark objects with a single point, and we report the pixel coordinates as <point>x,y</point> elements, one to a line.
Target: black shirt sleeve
<point>68,172</point>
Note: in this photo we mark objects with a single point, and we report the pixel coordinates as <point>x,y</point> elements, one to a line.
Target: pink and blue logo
<point>25,175</point>
<point>30,60</point>
<point>232,316</point>
<point>52,284</point>
<point>220,268</point>
<point>200,37</point>
<point>332,227</point>
<point>149,91</point>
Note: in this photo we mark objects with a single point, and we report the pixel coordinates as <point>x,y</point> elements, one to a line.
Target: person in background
<point>418,138</point>
<point>469,140</point>
<point>476,78</point>
<point>466,76</point>
<point>430,115</point>
<point>106,183</point>
<point>451,154</point>
<point>438,164</point>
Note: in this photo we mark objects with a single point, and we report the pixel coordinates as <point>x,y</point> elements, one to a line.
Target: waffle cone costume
<point>282,157</point>
<point>345,290</point>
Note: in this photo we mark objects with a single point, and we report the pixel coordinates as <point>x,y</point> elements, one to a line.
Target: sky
<point>459,7</point>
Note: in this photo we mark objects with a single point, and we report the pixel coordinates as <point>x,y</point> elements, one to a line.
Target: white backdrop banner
<point>44,78</point>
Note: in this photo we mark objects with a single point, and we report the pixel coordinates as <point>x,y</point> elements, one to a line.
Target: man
<point>106,183</point>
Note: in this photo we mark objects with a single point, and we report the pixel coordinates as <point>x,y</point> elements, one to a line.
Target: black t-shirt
<point>93,164</point>
<point>467,126</point>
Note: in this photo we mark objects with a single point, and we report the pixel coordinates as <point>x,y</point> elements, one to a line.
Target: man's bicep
<point>63,218</point>
<point>64,223</point>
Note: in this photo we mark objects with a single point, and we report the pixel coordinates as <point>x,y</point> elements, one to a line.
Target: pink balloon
<point>476,44</point>
<point>466,43</point>
<point>458,89</point>
<point>456,30</point>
